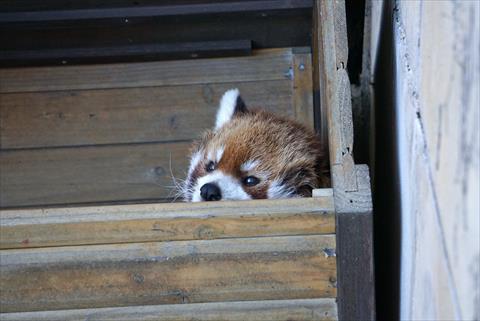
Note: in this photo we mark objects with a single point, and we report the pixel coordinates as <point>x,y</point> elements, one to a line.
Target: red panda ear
<point>231,105</point>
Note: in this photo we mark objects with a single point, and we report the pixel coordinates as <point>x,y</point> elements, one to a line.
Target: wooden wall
<point>430,134</point>
<point>119,132</point>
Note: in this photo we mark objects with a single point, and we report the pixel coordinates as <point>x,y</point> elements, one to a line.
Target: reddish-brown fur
<point>285,151</point>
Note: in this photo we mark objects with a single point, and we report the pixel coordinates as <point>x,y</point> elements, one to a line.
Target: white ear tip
<point>227,107</point>
<point>230,97</point>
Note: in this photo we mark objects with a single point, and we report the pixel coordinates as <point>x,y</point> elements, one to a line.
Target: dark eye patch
<point>210,166</point>
<point>251,181</point>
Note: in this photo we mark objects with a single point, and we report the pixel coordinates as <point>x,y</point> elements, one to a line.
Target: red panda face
<point>253,155</point>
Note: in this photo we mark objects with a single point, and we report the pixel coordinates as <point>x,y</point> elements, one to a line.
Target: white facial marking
<point>230,188</point>
<point>219,153</point>
<point>227,107</point>
<point>194,160</point>
<point>216,155</point>
<point>276,190</point>
<point>248,166</point>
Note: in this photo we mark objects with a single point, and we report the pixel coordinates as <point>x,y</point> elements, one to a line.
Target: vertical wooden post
<point>351,183</point>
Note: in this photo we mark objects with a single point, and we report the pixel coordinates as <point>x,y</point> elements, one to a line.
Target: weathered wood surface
<point>302,88</point>
<point>351,184</point>
<point>267,310</point>
<point>271,64</point>
<point>354,224</point>
<point>266,268</point>
<point>331,79</point>
<point>165,222</point>
<point>129,115</point>
<point>90,174</point>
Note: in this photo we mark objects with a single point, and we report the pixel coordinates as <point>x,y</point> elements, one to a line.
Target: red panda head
<point>253,155</point>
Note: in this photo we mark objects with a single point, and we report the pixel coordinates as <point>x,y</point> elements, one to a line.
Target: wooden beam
<point>351,184</point>
<point>165,222</point>
<point>267,310</point>
<point>126,53</point>
<point>265,268</point>
<point>354,221</point>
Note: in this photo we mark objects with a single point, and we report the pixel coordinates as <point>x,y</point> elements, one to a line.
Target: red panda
<point>252,154</point>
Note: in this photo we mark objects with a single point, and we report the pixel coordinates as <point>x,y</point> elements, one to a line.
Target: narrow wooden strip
<point>302,88</point>
<point>128,115</point>
<point>164,222</point>
<point>292,267</point>
<point>135,11</point>
<point>125,53</point>
<point>319,98</point>
<point>268,64</point>
<point>268,310</point>
<point>89,174</point>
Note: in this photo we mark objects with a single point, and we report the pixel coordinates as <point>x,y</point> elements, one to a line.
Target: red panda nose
<point>210,192</point>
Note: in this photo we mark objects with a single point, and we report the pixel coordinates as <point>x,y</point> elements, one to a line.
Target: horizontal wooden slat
<point>90,174</point>
<point>164,222</point>
<point>127,10</point>
<point>271,64</point>
<point>129,115</point>
<point>125,53</point>
<point>268,310</point>
<point>266,268</point>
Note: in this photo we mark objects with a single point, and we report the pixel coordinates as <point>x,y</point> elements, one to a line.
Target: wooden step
<point>111,256</point>
<point>166,222</point>
<point>263,268</point>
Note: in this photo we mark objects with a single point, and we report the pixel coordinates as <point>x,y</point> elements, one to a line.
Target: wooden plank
<point>351,184</point>
<point>356,286</point>
<point>267,310</point>
<point>271,64</point>
<point>334,85</point>
<point>125,53</point>
<point>165,222</point>
<point>135,11</point>
<point>268,268</point>
<point>128,115</point>
<point>302,88</point>
<point>90,174</point>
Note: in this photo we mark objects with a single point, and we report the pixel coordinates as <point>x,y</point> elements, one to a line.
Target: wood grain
<point>269,64</point>
<point>90,174</point>
<point>267,310</point>
<point>267,268</point>
<point>351,185</point>
<point>130,115</point>
<point>165,222</point>
<point>302,88</point>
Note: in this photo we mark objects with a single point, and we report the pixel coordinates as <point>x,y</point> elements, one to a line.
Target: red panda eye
<point>251,181</point>
<point>210,167</point>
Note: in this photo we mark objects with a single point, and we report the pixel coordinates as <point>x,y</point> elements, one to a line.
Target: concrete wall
<point>435,54</point>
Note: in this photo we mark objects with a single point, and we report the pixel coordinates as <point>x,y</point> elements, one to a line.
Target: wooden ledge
<point>165,222</point>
